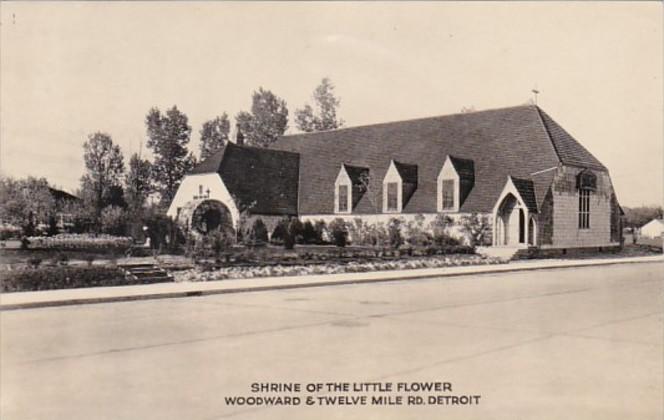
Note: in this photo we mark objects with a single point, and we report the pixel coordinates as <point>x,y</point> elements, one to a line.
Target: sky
<point>69,69</point>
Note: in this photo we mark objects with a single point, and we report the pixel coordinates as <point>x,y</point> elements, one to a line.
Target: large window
<point>448,194</point>
<point>343,198</point>
<point>584,208</point>
<point>392,196</point>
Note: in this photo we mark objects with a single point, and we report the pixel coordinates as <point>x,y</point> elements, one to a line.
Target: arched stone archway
<point>202,217</point>
<point>510,222</point>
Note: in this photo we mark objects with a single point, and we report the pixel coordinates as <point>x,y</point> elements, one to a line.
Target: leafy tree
<point>168,137</point>
<point>639,216</point>
<point>104,166</point>
<point>214,134</point>
<point>26,202</point>
<point>267,121</point>
<point>324,117</point>
<point>138,183</point>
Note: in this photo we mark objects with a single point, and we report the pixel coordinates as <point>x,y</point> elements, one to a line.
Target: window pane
<point>392,195</point>
<point>584,208</point>
<point>343,197</point>
<point>448,194</point>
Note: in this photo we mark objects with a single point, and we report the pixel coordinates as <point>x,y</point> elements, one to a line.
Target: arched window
<point>586,183</point>
<point>532,231</point>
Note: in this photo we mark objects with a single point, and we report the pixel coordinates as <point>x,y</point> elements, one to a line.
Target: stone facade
<point>565,221</point>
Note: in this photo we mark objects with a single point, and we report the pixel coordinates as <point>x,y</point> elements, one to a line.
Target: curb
<point>392,276</point>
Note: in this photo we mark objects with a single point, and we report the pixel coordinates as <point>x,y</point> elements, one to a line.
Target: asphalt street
<point>582,343</point>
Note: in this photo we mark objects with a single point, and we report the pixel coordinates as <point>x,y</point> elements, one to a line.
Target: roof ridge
<point>432,117</point>
<point>548,134</point>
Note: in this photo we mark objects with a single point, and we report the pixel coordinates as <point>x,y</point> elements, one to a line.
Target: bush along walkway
<point>209,273</point>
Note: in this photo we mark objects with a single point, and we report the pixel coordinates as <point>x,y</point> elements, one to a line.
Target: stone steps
<point>502,252</point>
<point>146,273</point>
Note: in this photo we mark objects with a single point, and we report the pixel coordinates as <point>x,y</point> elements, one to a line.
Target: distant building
<point>62,199</point>
<point>653,229</point>
<point>538,186</point>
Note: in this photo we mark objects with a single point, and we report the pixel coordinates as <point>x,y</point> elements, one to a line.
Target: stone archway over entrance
<point>510,222</point>
<point>514,215</point>
<point>205,216</point>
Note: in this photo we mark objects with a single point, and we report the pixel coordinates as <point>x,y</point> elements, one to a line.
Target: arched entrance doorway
<point>510,222</point>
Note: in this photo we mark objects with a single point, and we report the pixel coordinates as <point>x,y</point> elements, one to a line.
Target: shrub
<point>220,241</point>
<point>164,233</point>
<point>439,229</point>
<point>48,278</point>
<point>359,232</point>
<point>477,228</point>
<point>113,220</point>
<point>339,232</point>
<point>378,235</point>
<point>29,228</point>
<point>416,234</point>
<point>61,259</point>
<point>309,233</point>
<point>52,226</point>
<point>394,232</point>
<point>258,232</point>
<point>9,232</point>
<point>321,231</point>
<point>279,233</point>
<point>34,262</point>
<point>295,230</point>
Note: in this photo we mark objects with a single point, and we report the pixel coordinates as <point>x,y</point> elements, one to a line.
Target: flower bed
<point>80,241</point>
<point>242,272</point>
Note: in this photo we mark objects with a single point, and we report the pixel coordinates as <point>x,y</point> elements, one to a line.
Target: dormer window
<point>448,192</point>
<point>455,180</point>
<point>349,187</point>
<point>392,196</point>
<point>342,200</point>
<point>399,184</point>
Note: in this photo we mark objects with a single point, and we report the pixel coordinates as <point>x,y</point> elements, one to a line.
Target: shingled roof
<point>356,174</point>
<point>570,151</point>
<point>526,190</point>
<point>266,177</point>
<point>517,141</point>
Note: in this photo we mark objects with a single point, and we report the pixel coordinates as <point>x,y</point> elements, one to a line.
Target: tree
<point>104,165</point>
<point>639,216</point>
<point>26,202</point>
<point>138,183</point>
<point>267,121</point>
<point>168,137</point>
<point>325,116</point>
<point>214,134</point>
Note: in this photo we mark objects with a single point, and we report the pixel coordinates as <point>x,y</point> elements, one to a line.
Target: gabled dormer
<point>350,185</point>
<point>399,184</point>
<point>455,181</point>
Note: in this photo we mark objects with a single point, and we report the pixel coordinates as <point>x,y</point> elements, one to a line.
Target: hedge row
<point>49,278</point>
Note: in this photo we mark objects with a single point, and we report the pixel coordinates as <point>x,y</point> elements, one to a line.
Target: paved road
<point>571,343</point>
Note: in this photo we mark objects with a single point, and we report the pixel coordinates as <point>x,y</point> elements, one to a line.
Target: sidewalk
<point>24,300</point>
